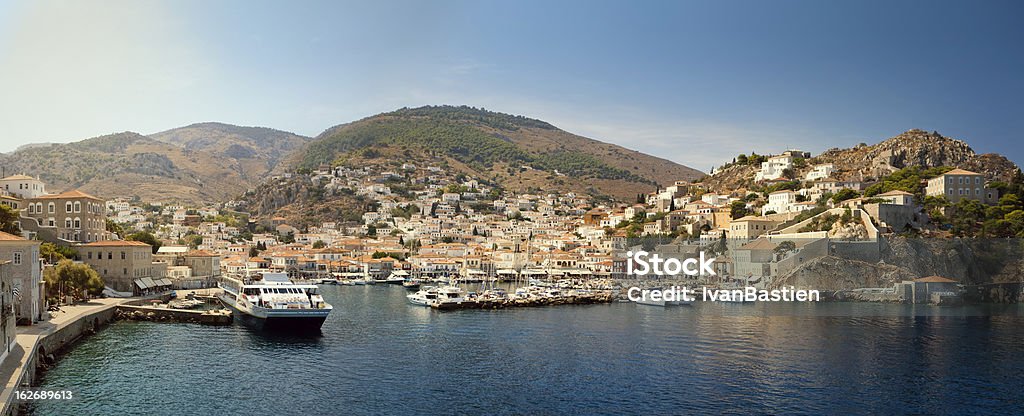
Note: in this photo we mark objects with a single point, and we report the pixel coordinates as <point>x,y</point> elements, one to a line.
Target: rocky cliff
<point>968,261</point>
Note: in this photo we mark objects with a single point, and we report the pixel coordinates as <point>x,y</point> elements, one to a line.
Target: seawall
<point>38,345</point>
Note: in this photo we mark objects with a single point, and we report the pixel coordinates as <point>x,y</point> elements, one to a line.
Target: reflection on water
<point>377,354</point>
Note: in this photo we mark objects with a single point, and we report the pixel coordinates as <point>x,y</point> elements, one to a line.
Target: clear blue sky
<point>695,82</point>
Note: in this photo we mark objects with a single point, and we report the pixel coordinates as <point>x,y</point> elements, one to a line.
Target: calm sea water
<point>379,355</point>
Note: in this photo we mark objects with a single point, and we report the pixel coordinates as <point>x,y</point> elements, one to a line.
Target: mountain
<point>129,164</point>
<point>200,163</point>
<point>255,151</point>
<point>514,152</point>
<point>868,163</point>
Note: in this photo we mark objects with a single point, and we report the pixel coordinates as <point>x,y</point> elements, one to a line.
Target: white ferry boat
<point>275,302</point>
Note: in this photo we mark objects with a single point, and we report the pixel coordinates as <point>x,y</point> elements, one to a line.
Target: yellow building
<point>960,184</point>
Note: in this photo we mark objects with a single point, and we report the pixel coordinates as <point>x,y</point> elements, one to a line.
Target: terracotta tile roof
<point>69,194</point>
<point>10,237</point>
<point>895,192</point>
<point>116,243</point>
<point>17,178</point>
<point>934,279</point>
<point>200,253</point>
<point>959,171</point>
<point>759,244</point>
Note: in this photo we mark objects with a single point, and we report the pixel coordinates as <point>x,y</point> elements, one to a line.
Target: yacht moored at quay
<point>274,302</point>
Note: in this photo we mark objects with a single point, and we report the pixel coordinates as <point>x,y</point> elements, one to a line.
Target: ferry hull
<point>283,321</point>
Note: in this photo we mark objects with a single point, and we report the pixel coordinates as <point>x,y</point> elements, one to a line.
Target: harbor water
<point>377,354</point>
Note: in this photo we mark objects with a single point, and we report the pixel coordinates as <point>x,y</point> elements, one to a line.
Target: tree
<point>193,241</point>
<point>288,238</point>
<point>69,278</point>
<point>784,247</point>
<point>789,174</point>
<point>53,253</point>
<point>254,251</point>
<point>738,209</point>
<point>146,237</point>
<point>968,219</point>
<point>844,194</point>
<point>319,244</point>
<point>8,220</point>
<point>113,227</point>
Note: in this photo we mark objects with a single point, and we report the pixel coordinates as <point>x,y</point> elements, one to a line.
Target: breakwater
<point>149,313</point>
<point>586,299</point>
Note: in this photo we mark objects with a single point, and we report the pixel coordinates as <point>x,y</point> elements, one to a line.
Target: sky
<point>696,82</point>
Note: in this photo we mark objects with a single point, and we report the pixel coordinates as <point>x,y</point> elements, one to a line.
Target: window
<point>67,223</point>
<point>123,256</point>
<point>110,255</point>
<point>17,258</point>
<point>89,254</point>
<point>31,208</point>
<point>78,206</point>
<point>78,222</point>
<point>51,208</point>
<point>67,207</point>
<point>951,192</point>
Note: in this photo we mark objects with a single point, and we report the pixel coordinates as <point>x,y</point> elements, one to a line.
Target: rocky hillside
<point>253,151</point>
<point>914,148</point>
<point>129,164</point>
<point>516,152</point>
<point>869,162</point>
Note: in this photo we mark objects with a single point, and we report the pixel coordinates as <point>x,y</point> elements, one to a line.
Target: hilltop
<point>201,163</point>
<point>256,151</point>
<point>868,163</point>
<point>515,152</point>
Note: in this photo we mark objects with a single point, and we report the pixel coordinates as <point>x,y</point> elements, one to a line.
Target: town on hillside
<point>791,217</point>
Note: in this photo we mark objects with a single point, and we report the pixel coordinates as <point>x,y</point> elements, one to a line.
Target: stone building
<point>25,271</point>
<point>7,317</point>
<point>69,217</point>
<point>960,184</point>
<point>119,263</point>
